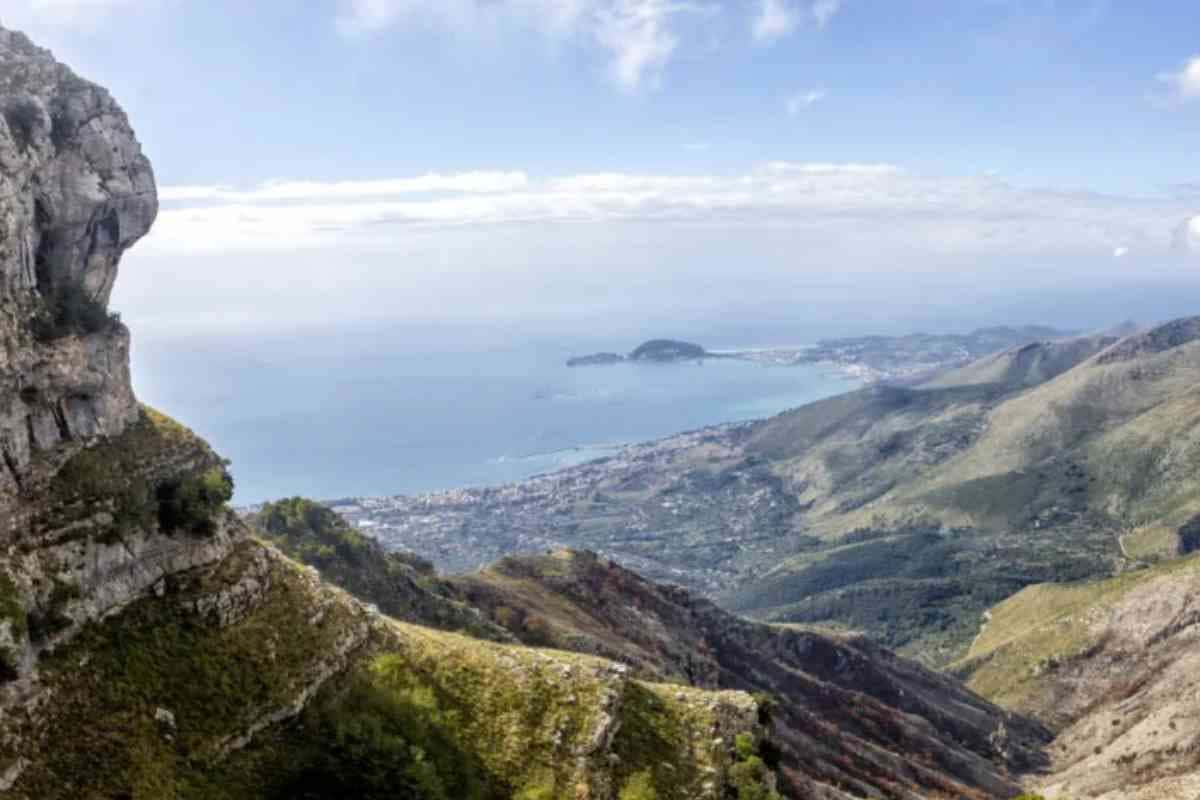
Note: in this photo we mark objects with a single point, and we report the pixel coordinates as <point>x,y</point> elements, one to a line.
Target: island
<point>668,350</point>
<point>656,350</point>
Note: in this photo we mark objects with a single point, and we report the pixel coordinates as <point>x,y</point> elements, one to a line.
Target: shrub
<point>749,776</point>
<point>192,504</point>
<point>8,665</point>
<point>68,310</point>
<point>23,117</point>
<point>50,619</point>
<point>387,741</point>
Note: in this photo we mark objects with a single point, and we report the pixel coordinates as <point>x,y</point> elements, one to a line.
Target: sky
<point>489,160</point>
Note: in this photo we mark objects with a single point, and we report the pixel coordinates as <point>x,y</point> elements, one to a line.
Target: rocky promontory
<point>659,351</point>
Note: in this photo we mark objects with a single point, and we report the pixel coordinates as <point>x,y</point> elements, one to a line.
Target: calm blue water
<point>376,413</point>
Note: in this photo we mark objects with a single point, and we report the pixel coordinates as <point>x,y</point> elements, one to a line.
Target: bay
<point>368,412</point>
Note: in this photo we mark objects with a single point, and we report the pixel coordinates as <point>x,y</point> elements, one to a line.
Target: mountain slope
<point>1112,666</point>
<point>1028,365</point>
<point>845,712</point>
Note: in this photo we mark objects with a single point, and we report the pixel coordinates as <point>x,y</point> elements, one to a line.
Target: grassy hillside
<point>171,695</point>
<point>1112,665</point>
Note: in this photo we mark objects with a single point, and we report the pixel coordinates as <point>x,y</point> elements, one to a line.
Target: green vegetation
<point>750,775</point>
<point>386,735</point>
<point>401,585</point>
<point>69,310</point>
<point>438,716</point>
<point>49,619</point>
<point>191,504</point>
<point>157,654</point>
<point>315,534</point>
<point>132,477</point>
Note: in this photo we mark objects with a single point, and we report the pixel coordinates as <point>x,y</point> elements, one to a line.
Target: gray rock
<point>75,193</point>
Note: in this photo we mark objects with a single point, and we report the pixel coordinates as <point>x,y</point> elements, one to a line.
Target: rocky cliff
<point>75,193</point>
<point>87,478</point>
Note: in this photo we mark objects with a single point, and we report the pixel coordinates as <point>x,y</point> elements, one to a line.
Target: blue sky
<point>477,158</point>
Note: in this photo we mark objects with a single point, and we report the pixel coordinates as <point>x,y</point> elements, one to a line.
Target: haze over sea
<point>406,410</point>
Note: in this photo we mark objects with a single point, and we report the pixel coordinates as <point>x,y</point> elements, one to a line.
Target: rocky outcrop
<point>75,193</point>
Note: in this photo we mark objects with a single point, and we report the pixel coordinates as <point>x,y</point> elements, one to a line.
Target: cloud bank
<point>964,215</point>
<point>837,240</point>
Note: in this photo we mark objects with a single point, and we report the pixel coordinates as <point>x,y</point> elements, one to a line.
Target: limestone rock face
<point>75,193</point>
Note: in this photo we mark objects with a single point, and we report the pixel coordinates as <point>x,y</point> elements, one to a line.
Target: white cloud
<point>775,19</point>
<point>825,10</point>
<point>802,100</point>
<point>1184,83</point>
<point>963,216</point>
<point>639,37</point>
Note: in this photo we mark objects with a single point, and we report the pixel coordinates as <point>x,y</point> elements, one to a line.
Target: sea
<point>405,410</point>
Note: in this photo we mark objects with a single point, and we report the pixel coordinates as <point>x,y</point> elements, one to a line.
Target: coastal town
<point>639,500</point>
